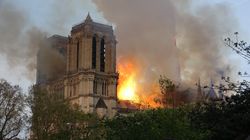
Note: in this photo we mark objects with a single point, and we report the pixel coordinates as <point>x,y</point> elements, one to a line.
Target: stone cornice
<point>93,95</point>
<point>92,72</point>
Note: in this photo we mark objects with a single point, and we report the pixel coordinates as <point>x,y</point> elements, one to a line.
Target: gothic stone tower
<point>91,78</point>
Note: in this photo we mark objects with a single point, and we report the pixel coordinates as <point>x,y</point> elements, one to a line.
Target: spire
<point>212,94</point>
<point>88,18</point>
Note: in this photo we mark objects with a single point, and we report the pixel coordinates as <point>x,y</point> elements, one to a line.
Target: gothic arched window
<point>102,53</point>
<point>94,52</point>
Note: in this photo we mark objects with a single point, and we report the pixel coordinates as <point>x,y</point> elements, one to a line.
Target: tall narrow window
<point>102,56</point>
<point>94,53</point>
<point>77,56</point>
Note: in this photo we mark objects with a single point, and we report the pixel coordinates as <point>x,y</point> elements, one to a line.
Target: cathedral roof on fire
<point>101,104</point>
<point>125,106</point>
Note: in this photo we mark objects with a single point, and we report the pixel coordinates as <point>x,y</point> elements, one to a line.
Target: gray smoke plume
<point>21,38</point>
<point>200,34</point>
<point>51,63</point>
<point>17,44</point>
<point>146,30</point>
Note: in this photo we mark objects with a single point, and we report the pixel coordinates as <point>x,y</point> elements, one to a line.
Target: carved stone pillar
<point>108,56</point>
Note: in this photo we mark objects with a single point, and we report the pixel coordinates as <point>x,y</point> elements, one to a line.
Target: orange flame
<point>130,89</point>
<point>153,99</point>
<point>127,87</point>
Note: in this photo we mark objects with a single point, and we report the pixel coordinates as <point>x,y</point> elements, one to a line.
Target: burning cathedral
<point>85,72</point>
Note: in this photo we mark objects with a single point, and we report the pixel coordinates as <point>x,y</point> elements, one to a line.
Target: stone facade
<point>90,72</point>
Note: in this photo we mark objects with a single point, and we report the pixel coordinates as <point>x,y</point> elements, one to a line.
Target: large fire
<point>130,89</point>
<point>127,82</point>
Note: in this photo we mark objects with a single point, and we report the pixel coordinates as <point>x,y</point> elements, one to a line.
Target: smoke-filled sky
<point>145,29</point>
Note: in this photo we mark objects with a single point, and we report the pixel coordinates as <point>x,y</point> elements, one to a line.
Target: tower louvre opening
<point>102,53</point>
<point>94,52</point>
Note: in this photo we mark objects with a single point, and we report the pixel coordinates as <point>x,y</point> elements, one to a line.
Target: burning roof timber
<point>126,106</point>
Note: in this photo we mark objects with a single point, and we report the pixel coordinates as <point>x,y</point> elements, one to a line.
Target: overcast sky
<point>40,14</point>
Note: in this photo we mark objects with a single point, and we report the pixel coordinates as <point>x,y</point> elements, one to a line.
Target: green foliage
<point>152,124</point>
<point>166,85</point>
<point>224,120</point>
<point>173,96</point>
<point>168,89</point>
<point>55,119</point>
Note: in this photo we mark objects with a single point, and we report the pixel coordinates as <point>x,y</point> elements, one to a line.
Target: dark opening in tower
<point>93,52</point>
<point>102,68</point>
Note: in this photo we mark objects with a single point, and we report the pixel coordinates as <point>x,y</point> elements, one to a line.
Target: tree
<point>168,89</point>
<point>240,47</point>
<point>172,94</point>
<point>55,118</point>
<point>228,119</point>
<point>12,111</point>
<point>224,120</point>
<point>152,124</point>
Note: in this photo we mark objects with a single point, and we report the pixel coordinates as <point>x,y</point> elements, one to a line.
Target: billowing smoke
<point>21,38</point>
<point>165,37</point>
<point>148,31</point>
<point>19,46</point>
<point>200,40</point>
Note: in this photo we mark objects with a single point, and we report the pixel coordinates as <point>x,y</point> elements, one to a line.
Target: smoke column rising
<point>22,34</point>
<point>17,45</point>
<point>146,31</point>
